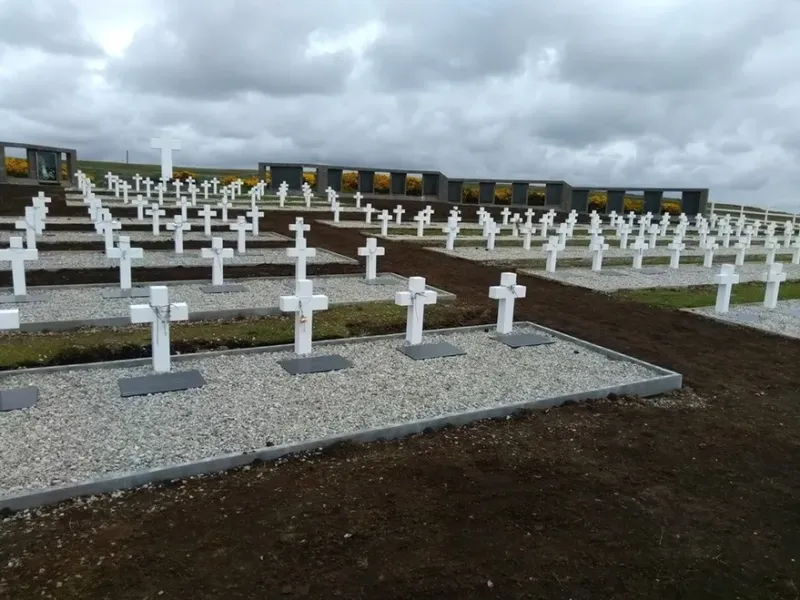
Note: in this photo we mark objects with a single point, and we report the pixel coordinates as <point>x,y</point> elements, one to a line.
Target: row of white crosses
<point>727,278</point>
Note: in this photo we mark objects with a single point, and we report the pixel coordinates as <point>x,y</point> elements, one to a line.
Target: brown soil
<point>165,244</point>
<point>693,497</point>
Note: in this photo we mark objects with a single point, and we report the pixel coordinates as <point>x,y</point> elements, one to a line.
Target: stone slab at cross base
<point>160,383</point>
<point>19,398</point>
<point>22,299</point>
<point>380,281</point>
<point>522,340</point>
<point>136,292</point>
<point>612,273</point>
<point>434,350</point>
<point>227,288</point>
<point>322,363</point>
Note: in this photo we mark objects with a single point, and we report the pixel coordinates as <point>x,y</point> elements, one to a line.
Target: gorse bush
<point>18,167</point>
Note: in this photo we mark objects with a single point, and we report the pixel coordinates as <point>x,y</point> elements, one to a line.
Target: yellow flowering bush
<point>349,181</point>
<point>310,178</point>
<point>414,186</point>
<point>502,195</point>
<point>382,183</point>
<point>183,175</point>
<point>16,167</point>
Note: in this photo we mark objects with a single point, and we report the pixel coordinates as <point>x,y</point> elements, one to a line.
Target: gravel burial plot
<point>611,278</point>
<point>85,303</point>
<point>238,204</point>
<point>81,429</point>
<point>190,258</point>
<point>144,236</point>
<point>783,320</point>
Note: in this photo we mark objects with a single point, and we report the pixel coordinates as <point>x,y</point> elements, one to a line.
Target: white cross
<point>639,246</point>
<point>299,228</point>
<point>282,195</point>
<point>771,246</point>
<point>160,190</point>
<point>527,232</point>
<point>664,224</point>
<point>507,292</point>
<point>206,213</point>
<point>109,177</point>
<point>384,218</point>
<point>217,253</point>
<point>358,197</point>
<point>147,183</point>
<point>159,312</point>
<point>117,181</point>
<point>140,203</point>
<point>17,255</point>
<point>563,232</point>
<point>136,180</point>
<point>41,210</point>
<point>398,213</point>
<point>725,280</point>
<point>368,210</point>
<point>544,221</point>
<point>190,181</point>
<point>515,221</point>
<point>301,253</point>
<point>653,231</point>
<point>529,216</point>
<point>214,184</point>
<point>372,251</point>
<point>240,227</point>
<point>254,215</point>
<point>741,251</point>
<point>788,232</point>
<point>336,208</point>
<point>420,218</point>
<point>624,232</point>
<point>491,233</point>
<point>571,221</point>
<point>28,224</point>
<point>675,248</point>
<point>307,196</point>
<point>451,229</point>
<point>205,185</point>
<point>796,252</point>
<point>184,205</point>
<point>166,144</point>
<point>303,304</point>
<point>224,204</point>
<point>107,226</point>
<point>506,213</point>
<point>179,225</point>
<point>125,186</point>
<point>193,194</point>
<point>709,245</point>
<point>415,299</point>
<point>155,212</point>
<point>598,247</point>
<point>125,254</point>
<point>773,278</point>
<point>552,248</point>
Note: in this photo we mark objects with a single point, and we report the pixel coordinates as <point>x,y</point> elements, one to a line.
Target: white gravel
<point>238,204</point>
<point>81,429</point>
<point>88,303</point>
<point>163,258</point>
<point>613,278</point>
<point>143,236</point>
<point>783,320</point>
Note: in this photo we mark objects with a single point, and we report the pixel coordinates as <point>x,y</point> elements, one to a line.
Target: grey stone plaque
<point>521,340</point>
<point>159,383</point>
<point>136,292</point>
<point>22,299</point>
<point>381,281</point>
<point>226,288</point>
<point>18,398</point>
<point>434,350</point>
<point>315,364</point>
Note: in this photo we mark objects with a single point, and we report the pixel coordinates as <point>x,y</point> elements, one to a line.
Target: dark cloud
<point>50,27</point>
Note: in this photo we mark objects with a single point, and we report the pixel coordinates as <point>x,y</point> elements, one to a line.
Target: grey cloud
<point>46,26</point>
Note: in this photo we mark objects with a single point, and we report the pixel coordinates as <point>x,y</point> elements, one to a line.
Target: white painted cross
<point>205,185</point>
<point>725,229</point>
<point>741,251</point>
<point>515,221</point>
<point>529,216</point>
<point>159,312</point>
<point>428,211</point>
<point>299,228</point>
<point>420,219</point>
<point>28,224</point>
<point>527,232</point>
<point>136,181</point>
<point>708,246</point>
<point>598,248</point>
<point>358,198</point>
<point>788,232</point>
<point>254,215</point>
<point>773,278</point>
<point>544,221</point>
<point>451,229</point>
<point>639,246</point>
<point>725,280</point>
<point>505,213</point>
<point>571,221</point>
<point>156,212</point>
<point>125,186</point>
<point>166,144</point>
<point>303,304</point>
<point>336,208</point>
<point>224,204</point>
<point>563,232</point>
<point>796,252</point>
<point>109,177</point>
<point>368,210</point>
<point>491,233</point>
<point>214,184</point>
<point>384,218</point>
<point>206,213</point>
<point>241,226</point>
<point>107,226</point>
<point>124,253</point>
<point>193,195</point>
<point>372,251</point>
<point>147,184</point>
<point>771,246</point>
<point>664,225</point>
<point>184,205</point>
<point>301,253</point>
<point>507,292</point>
<point>140,203</point>
<point>675,248</point>
<point>179,225</point>
<point>552,248</point>
<point>282,192</point>
<point>217,253</point>
<point>653,231</point>
<point>17,255</point>
<point>624,232</point>
<point>415,299</point>
<point>160,190</point>
<point>398,214</point>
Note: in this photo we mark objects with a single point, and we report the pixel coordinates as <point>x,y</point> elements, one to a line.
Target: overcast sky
<point>611,92</point>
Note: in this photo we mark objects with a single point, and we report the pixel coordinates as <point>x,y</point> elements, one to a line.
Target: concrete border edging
<point>663,381</point>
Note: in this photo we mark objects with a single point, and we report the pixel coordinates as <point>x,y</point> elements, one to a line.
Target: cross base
<point>136,292</point>
<point>522,340</point>
<point>225,288</point>
<point>22,299</point>
<point>18,398</point>
<point>433,350</point>
<point>380,281</point>
<point>612,273</point>
<point>315,364</point>
<point>160,383</point>
<point>652,271</point>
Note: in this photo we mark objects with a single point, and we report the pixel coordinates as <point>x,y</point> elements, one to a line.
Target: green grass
<point>98,169</point>
<point>102,344</point>
<point>705,295</point>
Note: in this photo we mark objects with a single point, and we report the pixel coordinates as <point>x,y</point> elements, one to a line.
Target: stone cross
<point>166,144</point>
<point>17,255</point>
<point>156,212</point>
<point>40,206</point>
<point>598,248</point>
<point>159,312</point>
<point>308,195</point>
<point>160,190</point>
<point>206,213</point>
<point>544,221</point>
<point>491,233</point>
<point>773,278</point>
<point>631,219</point>
<point>303,304</point>
<point>184,205</point>
<point>224,204</point>
<point>336,208</point>
<point>217,253</point>
<point>639,246</point>
<point>282,192</point>
<point>107,226</point>
<point>796,252</point>
<point>624,232</point>
<point>725,229</point>
<point>125,186</point>
<point>136,181</point>
<point>358,198</point>
<point>205,185</point>
<point>398,213</point>
<point>563,232</point>
<point>552,248</point>
<point>254,215</point>
<point>214,184</point>
<point>725,280</point>
<point>372,251</point>
<point>301,253</point>
<point>193,195</point>
<point>788,232</point>
<point>652,230</point>
<point>421,219</point>
<point>147,184</point>
<point>179,225</point>
<point>708,246</point>
<point>140,203</point>
<point>125,254</point>
<point>571,221</point>
<point>771,246</point>
<point>515,221</point>
<point>612,218</point>
<point>507,292</point>
<point>741,251</point>
<point>529,216</point>
<point>28,224</point>
<point>664,225</point>
<point>527,232</point>
<point>428,211</point>
<point>241,226</point>
<point>451,229</point>
<point>384,218</point>
<point>299,228</point>
<point>368,210</point>
<point>703,231</point>
<point>109,177</point>
<point>415,299</point>
<point>505,214</point>
<point>675,248</point>
<point>595,229</point>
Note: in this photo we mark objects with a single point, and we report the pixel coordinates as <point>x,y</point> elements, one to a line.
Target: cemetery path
<point>693,496</point>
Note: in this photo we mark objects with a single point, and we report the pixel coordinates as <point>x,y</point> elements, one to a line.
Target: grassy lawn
<point>19,349</point>
<point>97,169</point>
<point>705,295</point>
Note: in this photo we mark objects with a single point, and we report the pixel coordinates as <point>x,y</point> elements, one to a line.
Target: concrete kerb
<point>663,381</point>
<point>205,315</point>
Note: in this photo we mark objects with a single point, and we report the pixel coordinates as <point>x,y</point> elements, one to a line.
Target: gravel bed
<point>238,204</point>
<point>143,236</point>
<point>613,278</point>
<point>783,320</point>
<point>162,258</point>
<point>88,302</point>
<point>81,429</point>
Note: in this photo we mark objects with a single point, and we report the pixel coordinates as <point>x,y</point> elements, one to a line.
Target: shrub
<point>502,195</point>
<point>228,179</point>
<point>382,183</point>
<point>310,177</point>
<point>249,183</point>
<point>16,167</point>
<point>183,175</point>
<point>469,195</point>
<point>349,181</point>
<point>414,186</point>
<point>536,198</point>
<point>671,208</point>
